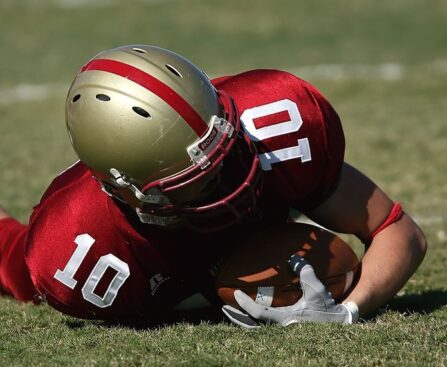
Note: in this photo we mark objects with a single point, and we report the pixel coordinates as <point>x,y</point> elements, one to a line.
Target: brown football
<point>258,265</point>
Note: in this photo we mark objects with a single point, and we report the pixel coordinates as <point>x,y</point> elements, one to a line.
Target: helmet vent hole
<point>139,50</point>
<point>76,98</point>
<point>142,112</point>
<point>103,97</point>
<point>174,71</point>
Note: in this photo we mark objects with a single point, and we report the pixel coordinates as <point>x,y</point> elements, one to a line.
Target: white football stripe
<point>264,296</point>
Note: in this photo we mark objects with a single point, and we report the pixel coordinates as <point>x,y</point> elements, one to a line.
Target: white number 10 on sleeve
<point>272,129</point>
<point>84,242</point>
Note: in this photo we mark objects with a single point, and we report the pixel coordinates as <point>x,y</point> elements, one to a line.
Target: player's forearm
<point>392,258</point>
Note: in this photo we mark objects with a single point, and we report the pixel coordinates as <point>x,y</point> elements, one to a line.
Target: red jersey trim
<point>395,214</point>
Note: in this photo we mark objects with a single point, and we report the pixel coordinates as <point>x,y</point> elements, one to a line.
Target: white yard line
<point>428,220</point>
<point>386,72</point>
<point>71,4</point>
<point>30,92</point>
<point>82,3</point>
<point>99,3</point>
<point>36,92</point>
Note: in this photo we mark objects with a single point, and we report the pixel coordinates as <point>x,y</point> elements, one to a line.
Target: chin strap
<point>148,218</point>
<point>121,181</point>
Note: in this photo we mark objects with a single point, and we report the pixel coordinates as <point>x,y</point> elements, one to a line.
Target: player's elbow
<point>418,242</point>
<point>422,243</point>
<point>412,240</point>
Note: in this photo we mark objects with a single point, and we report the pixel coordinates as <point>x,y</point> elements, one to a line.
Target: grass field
<point>382,64</point>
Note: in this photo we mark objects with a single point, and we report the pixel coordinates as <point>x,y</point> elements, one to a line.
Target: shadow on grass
<point>193,317</point>
<point>75,323</point>
<point>419,303</point>
<point>408,304</point>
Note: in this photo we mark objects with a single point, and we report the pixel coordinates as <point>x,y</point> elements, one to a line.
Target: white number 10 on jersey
<point>272,129</point>
<point>84,242</point>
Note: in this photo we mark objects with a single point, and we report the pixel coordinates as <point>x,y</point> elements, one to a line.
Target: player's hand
<point>315,305</point>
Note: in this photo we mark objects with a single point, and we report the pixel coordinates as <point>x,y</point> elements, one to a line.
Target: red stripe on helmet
<point>170,96</point>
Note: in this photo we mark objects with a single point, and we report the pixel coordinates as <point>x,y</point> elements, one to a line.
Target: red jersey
<point>87,259</point>
<point>90,259</point>
<point>297,133</point>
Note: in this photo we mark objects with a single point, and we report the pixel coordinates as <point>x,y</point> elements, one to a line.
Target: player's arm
<point>359,207</point>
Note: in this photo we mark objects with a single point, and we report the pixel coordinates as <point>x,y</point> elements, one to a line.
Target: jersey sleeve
<point>14,276</point>
<point>297,133</point>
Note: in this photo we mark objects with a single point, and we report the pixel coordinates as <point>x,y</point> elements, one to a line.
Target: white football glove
<point>315,305</point>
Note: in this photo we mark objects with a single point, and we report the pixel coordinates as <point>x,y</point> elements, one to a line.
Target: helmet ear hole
<point>139,50</point>
<point>142,112</point>
<point>173,70</point>
<point>103,97</point>
<point>76,98</point>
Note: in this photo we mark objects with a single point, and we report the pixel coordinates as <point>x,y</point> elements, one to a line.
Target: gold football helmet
<point>155,133</point>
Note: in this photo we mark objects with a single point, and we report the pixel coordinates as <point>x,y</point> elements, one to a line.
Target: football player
<point>174,169</point>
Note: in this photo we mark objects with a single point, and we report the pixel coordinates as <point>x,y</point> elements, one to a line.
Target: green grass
<point>220,36</point>
<point>42,337</point>
<point>396,132</point>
